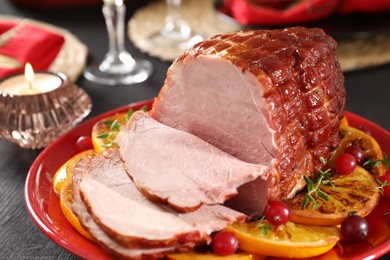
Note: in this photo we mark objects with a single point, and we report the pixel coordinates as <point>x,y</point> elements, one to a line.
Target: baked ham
<point>126,223</point>
<point>177,168</point>
<point>269,97</point>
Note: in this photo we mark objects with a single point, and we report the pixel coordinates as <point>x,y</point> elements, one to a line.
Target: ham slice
<point>111,205</point>
<point>269,97</point>
<point>178,168</point>
<point>102,238</point>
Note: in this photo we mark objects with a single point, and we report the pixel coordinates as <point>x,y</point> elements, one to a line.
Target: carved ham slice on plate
<point>175,167</point>
<point>123,220</point>
<point>101,237</point>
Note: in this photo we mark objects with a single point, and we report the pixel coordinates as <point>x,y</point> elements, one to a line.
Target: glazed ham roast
<point>269,97</point>
<point>241,119</point>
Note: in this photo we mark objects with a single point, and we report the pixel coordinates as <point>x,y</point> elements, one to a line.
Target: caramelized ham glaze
<point>268,97</point>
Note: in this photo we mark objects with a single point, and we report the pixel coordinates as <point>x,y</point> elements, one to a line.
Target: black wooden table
<point>368,95</point>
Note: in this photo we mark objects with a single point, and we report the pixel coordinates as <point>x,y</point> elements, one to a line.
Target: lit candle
<point>31,83</point>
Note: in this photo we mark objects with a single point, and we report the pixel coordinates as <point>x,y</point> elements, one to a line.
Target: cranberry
<point>364,129</point>
<point>224,243</point>
<point>356,152</point>
<point>83,143</point>
<point>345,164</point>
<point>354,228</point>
<point>277,213</point>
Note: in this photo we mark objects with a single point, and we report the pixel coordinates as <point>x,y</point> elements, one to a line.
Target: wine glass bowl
<point>118,66</point>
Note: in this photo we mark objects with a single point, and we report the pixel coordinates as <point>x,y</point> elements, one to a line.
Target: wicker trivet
<point>201,15</point>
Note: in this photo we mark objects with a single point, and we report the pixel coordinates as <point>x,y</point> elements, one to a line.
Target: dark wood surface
<point>368,95</point>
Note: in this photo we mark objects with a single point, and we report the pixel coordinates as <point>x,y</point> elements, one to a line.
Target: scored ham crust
<point>269,97</point>
<point>177,168</point>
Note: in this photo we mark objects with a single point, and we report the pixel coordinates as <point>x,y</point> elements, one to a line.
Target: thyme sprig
<point>375,163</point>
<point>314,186</point>
<point>114,128</point>
<point>264,226</point>
<point>382,185</point>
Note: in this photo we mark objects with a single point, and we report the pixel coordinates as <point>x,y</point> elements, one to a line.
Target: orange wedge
<point>62,185</point>
<point>105,131</point>
<point>356,192</point>
<point>287,241</point>
<point>66,206</point>
<point>62,172</point>
<point>372,151</point>
<point>58,179</point>
<point>344,121</point>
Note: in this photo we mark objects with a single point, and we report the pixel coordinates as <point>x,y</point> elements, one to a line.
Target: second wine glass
<point>118,66</point>
<point>176,33</point>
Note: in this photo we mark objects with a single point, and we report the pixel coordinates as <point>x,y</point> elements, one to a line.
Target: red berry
<point>354,228</point>
<point>224,243</point>
<point>345,164</point>
<point>83,143</point>
<point>386,188</point>
<point>364,129</point>
<point>277,213</point>
<point>356,152</point>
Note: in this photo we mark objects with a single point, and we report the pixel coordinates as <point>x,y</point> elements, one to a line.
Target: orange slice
<point>356,192</point>
<point>210,256</point>
<point>66,206</point>
<point>344,121</point>
<point>58,179</point>
<point>62,185</point>
<point>105,131</point>
<point>290,240</point>
<point>62,172</point>
<point>372,151</point>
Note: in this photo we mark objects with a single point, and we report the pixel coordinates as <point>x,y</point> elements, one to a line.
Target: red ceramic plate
<point>44,208</point>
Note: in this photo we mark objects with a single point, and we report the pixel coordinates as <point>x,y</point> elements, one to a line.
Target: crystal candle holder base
<point>34,121</point>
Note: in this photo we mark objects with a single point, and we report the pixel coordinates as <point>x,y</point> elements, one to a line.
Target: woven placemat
<point>202,16</point>
<point>72,57</point>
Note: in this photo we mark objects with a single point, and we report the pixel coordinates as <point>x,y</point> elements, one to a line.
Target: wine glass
<point>176,33</point>
<point>118,66</point>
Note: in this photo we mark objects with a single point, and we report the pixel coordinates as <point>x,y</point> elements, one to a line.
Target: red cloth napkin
<point>247,12</point>
<point>364,6</point>
<point>31,44</point>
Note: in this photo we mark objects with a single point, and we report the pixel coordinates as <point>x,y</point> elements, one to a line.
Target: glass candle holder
<point>34,116</point>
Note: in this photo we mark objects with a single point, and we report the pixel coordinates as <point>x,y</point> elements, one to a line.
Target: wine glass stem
<point>114,14</point>
<point>175,27</point>
<point>173,15</point>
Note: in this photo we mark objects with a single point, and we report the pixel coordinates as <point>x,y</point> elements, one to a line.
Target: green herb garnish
<point>314,186</point>
<point>264,226</point>
<point>382,184</point>
<point>376,163</point>
<point>114,126</point>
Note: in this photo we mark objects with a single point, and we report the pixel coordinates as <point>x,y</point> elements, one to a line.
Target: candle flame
<point>29,74</point>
